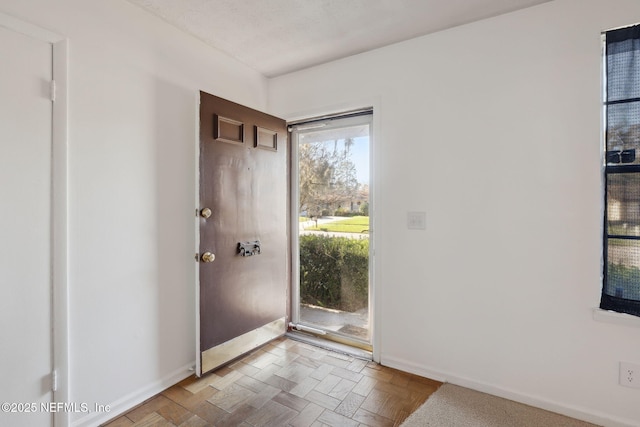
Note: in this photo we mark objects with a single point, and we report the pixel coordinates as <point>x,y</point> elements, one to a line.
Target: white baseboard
<point>122,405</point>
<point>579,413</point>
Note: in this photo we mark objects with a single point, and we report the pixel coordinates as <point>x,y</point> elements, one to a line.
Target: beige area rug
<point>454,406</point>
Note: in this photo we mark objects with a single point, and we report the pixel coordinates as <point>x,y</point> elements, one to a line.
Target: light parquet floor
<point>287,383</point>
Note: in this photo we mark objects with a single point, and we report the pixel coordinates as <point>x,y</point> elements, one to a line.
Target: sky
<point>360,156</point>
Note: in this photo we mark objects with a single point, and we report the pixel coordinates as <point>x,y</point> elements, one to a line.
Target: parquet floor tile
<point>287,384</point>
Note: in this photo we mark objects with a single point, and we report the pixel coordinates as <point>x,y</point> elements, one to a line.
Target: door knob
<point>207,257</point>
<point>205,213</point>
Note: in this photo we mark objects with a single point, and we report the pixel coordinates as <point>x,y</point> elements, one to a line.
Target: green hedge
<point>334,272</point>
<point>623,281</point>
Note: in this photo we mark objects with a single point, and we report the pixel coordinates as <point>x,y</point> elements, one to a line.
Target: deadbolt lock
<point>205,213</point>
<point>207,257</point>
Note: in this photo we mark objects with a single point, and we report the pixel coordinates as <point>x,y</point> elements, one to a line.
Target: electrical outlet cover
<point>629,374</point>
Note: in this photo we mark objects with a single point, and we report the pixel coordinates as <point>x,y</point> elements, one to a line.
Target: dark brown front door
<point>243,254</point>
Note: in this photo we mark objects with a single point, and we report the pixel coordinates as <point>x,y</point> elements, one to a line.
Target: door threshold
<point>330,345</point>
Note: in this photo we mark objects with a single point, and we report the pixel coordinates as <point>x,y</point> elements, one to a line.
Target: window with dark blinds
<point>621,287</point>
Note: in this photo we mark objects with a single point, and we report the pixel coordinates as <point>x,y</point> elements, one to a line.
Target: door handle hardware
<point>249,248</point>
<point>207,257</point>
<point>205,213</point>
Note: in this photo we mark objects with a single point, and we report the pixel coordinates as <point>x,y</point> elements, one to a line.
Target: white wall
<point>494,130</point>
<point>132,113</point>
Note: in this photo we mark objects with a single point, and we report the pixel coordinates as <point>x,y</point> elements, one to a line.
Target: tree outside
<point>328,178</point>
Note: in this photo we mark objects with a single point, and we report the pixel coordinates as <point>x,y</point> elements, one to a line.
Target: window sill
<point>606,316</point>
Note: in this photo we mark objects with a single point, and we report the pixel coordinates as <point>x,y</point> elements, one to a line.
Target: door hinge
<point>52,90</point>
<point>54,380</point>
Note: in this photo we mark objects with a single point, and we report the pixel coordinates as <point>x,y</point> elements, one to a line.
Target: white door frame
<point>336,112</point>
<point>59,202</point>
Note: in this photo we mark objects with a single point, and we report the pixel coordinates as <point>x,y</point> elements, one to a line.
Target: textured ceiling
<point>279,36</point>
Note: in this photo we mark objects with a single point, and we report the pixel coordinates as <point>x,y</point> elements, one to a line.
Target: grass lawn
<point>356,224</point>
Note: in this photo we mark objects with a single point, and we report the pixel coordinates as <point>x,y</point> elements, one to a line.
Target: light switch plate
<point>417,220</point>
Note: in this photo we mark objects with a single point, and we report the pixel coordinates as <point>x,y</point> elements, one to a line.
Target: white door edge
<point>196,223</point>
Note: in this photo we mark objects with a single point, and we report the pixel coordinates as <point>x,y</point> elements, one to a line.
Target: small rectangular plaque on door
<point>266,139</point>
<point>228,130</point>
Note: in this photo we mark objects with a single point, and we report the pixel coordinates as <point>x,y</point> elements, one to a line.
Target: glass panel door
<point>331,195</point>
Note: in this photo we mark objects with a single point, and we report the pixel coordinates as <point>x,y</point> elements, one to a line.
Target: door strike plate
<point>249,248</point>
